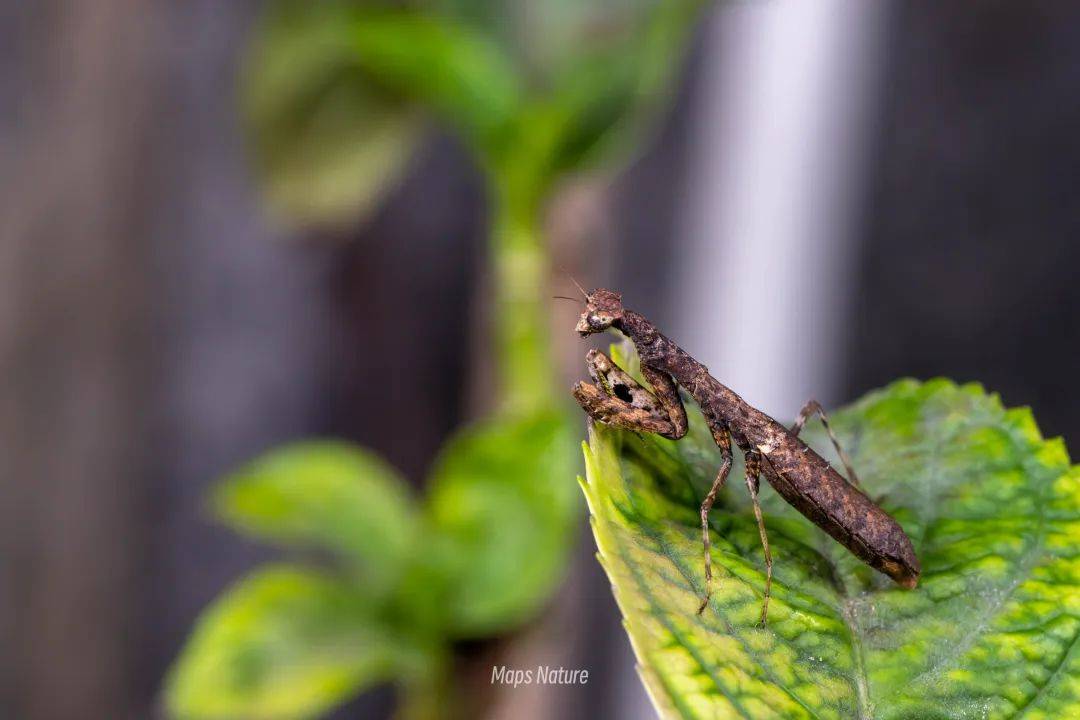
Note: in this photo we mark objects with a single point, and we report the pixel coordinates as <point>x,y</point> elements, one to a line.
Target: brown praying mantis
<point>801,476</point>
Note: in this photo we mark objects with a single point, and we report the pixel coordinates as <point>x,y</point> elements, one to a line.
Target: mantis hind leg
<point>753,480</point>
<point>811,407</point>
<point>723,441</point>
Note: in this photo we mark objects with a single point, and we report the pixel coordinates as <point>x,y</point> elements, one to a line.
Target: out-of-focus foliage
<point>325,140</point>
<point>495,495</point>
<point>287,642</point>
<point>990,632</point>
<point>334,96</point>
<point>326,495</point>
<point>476,557</point>
<point>333,92</point>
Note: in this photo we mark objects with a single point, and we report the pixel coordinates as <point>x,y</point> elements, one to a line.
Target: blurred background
<point>826,196</point>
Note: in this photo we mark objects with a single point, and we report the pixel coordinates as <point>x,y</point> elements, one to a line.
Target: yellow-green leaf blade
<point>993,510</point>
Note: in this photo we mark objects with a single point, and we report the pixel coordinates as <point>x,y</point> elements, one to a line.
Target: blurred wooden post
<point>73,336</point>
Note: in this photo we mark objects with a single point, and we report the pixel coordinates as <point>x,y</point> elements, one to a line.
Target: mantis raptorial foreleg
<point>618,399</point>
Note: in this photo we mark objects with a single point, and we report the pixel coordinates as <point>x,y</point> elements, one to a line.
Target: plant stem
<point>429,696</point>
<point>523,353</point>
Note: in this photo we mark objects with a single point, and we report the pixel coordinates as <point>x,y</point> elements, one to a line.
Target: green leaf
<point>334,93</point>
<point>499,498</point>
<point>329,495</point>
<point>328,142</point>
<point>991,632</point>
<point>606,95</point>
<point>460,74</point>
<point>284,643</point>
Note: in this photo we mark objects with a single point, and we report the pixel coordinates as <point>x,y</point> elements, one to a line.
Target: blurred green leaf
<point>991,631</point>
<point>330,495</point>
<point>284,643</point>
<point>451,69</point>
<point>334,93</point>
<point>604,95</point>
<point>327,141</point>
<point>545,39</point>
<point>499,496</point>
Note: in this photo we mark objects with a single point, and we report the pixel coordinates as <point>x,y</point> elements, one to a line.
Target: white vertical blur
<point>764,278</point>
<point>773,194</point>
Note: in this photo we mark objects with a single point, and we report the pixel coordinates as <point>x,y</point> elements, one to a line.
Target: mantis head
<point>602,309</point>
